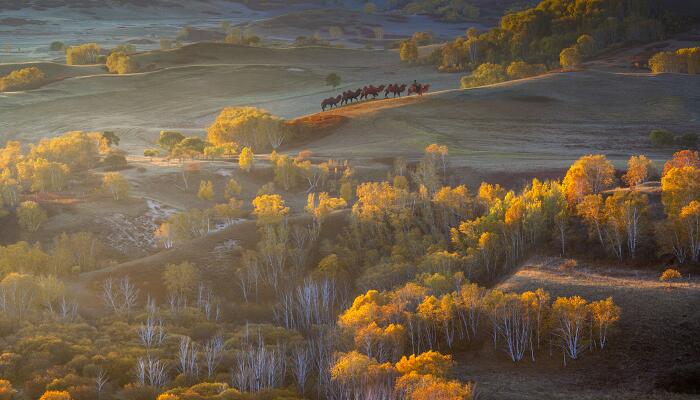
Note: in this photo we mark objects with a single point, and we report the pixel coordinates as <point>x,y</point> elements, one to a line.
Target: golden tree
<point>604,314</point>
<point>55,395</point>
<point>683,158</point>
<point>247,126</point>
<point>639,168</point>
<point>7,392</point>
<point>269,209</point>
<point>679,186</point>
<point>246,159</point>
<point>116,185</point>
<point>590,174</point>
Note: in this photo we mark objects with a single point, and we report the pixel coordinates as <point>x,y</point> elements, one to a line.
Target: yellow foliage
<point>669,275</point>
<point>590,174</point>
<point>206,190</point>
<point>55,395</point>
<point>428,363</point>
<point>6,390</point>
<point>679,187</point>
<point>121,63</point>
<point>638,170</point>
<point>116,184</point>
<point>83,54</point>
<point>247,126</point>
<point>22,79</point>
<point>246,159</point>
<point>269,208</point>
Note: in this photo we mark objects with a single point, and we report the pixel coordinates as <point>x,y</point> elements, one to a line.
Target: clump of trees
<point>121,63</point>
<point>248,127</point>
<point>22,79</point>
<point>683,61</point>
<point>84,54</point>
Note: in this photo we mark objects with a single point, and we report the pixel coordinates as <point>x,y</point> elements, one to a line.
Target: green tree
<point>333,79</point>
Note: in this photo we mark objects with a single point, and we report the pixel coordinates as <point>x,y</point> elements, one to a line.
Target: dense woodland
<point>553,33</point>
<point>375,306</point>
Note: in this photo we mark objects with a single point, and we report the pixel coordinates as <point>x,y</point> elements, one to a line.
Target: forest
<point>369,296</point>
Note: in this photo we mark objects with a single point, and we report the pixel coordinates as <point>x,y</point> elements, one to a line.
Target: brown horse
<point>331,102</point>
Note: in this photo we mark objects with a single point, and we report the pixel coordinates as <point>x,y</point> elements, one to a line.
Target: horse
<point>331,102</point>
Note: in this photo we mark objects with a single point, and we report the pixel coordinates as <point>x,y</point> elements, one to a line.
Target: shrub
<point>570,58</point>
<point>670,275</point>
<point>661,138</point>
<point>121,63</point>
<point>687,141</point>
<point>485,74</point>
<point>25,78</point>
<point>82,55</point>
<point>521,69</point>
<point>115,159</point>
<point>57,46</point>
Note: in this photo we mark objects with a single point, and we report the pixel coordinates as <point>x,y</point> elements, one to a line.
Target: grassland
<point>653,336</point>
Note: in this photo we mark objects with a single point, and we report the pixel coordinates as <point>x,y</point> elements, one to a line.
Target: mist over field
<point>349,200</point>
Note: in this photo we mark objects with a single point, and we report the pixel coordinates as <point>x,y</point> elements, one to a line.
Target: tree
<point>7,392</point>
<point>333,79</point>
<point>31,216</point>
<point>604,314</point>
<point>83,54</point>
<point>22,79</point>
<point>571,314</point>
<point>586,45</point>
<point>679,186</point>
<point>428,363</point>
<point>683,158</point>
<point>247,126</point>
<point>638,170</point>
<point>233,189</point>
<point>169,139</point>
<point>269,209</point>
<point>485,74</point>
<point>181,280</point>
<point>121,63</point>
<point>206,190</point>
<point>590,174</point>
<point>370,8</point>
<point>661,138</point>
<point>665,61</point>
<point>408,51</point>
<point>570,58</point>
<point>55,395</point>
<point>116,184</point>
<point>246,159</point>
<point>521,69</point>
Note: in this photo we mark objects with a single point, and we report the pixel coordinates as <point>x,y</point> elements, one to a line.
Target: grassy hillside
<point>534,124</point>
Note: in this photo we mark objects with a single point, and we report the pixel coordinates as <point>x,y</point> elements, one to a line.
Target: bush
<point>521,69</point>
<point>26,78</point>
<point>121,63</point>
<point>114,160</point>
<point>661,138</point>
<point>485,74</point>
<point>687,141</point>
<point>57,46</point>
<point>82,55</point>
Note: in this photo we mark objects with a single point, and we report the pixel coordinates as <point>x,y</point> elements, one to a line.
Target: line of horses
<point>394,89</point>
